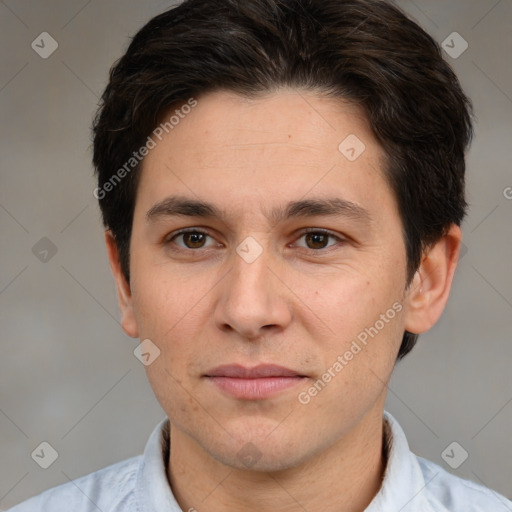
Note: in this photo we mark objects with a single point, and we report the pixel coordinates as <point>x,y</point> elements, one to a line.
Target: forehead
<point>278,147</point>
<point>286,119</point>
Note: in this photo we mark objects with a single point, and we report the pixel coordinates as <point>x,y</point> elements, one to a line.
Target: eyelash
<point>168,240</point>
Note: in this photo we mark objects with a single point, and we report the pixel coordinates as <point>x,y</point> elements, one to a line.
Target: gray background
<point>67,372</point>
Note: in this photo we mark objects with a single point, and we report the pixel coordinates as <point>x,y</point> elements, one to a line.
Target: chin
<point>253,460</point>
<point>262,453</point>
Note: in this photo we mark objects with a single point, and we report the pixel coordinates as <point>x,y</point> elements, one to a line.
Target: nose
<point>254,300</point>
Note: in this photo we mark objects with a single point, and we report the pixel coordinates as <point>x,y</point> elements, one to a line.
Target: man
<point>282,184</point>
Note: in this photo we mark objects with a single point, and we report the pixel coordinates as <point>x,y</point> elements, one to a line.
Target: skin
<point>300,304</point>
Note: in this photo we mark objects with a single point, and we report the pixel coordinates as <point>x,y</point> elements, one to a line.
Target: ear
<point>124,295</point>
<point>428,292</point>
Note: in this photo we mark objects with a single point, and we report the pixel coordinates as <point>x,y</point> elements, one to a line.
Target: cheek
<point>365,320</point>
<point>173,392</point>
<point>348,303</point>
<point>173,312</point>
<point>165,302</point>
<point>357,366</point>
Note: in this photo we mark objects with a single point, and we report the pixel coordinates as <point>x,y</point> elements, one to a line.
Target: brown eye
<point>316,239</point>
<point>192,239</point>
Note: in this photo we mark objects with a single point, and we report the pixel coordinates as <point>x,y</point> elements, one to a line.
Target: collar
<point>403,483</point>
<point>402,489</point>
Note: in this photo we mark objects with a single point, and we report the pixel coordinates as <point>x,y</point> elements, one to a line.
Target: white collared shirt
<point>140,484</point>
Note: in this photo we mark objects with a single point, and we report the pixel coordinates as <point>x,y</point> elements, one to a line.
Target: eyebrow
<point>182,206</point>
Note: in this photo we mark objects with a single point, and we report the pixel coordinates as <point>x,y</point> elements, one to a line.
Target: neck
<point>343,478</point>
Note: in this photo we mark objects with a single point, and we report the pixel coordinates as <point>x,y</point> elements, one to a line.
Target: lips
<point>264,370</point>
<point>256,383</point>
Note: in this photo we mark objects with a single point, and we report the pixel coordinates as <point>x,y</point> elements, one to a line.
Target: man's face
<point>252,287</point>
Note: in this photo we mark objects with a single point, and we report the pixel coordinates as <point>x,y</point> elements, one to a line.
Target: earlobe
<point>124,296</point>
<point>429,291</point>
